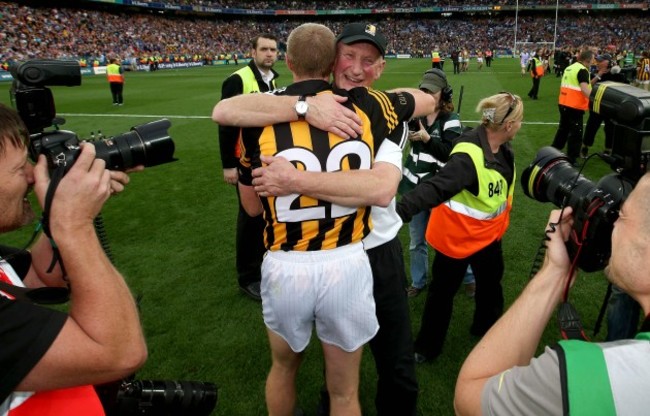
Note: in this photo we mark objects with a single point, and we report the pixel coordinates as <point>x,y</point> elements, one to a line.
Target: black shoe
<point>584,152</point>
<point>323,408</point>
<point>419,358</point>
<point>252,290</point>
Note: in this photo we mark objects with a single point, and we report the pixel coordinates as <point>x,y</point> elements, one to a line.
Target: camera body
<point>147,144</point>
<point>551,178</point>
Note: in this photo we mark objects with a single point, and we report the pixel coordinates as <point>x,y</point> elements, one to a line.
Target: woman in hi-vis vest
<point>470,198</point>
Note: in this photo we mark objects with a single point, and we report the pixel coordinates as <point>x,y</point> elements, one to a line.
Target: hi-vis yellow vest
<point>113,74</point>
<point>465,224</point>
<point>249,83</point>
<point>570,91</point>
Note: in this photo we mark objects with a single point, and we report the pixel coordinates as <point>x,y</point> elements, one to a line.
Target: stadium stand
<point>92,32</point>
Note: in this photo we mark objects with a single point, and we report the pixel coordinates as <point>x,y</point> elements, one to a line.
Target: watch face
<point>301,108</point>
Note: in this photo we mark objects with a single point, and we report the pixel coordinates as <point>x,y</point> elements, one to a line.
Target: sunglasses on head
<point>513,104</point>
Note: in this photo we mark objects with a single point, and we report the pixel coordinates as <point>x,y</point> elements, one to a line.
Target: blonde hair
<point>311,49</point>
<point>499,108</point>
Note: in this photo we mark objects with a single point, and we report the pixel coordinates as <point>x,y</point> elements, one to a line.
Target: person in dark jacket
<point>470,198</point>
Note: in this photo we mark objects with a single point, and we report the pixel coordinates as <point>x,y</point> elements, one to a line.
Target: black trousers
<point>535,88</point>
<point>249,246</point>
<point>392,347</point>
<point>116,91</point>
<point>569,132</point>
<point>591,128</point>
<point>456,67</point>
<point>447,276</point>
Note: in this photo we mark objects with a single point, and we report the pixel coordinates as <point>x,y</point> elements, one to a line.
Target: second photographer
<point>574,377</point>
<point>51,359</point>
<point>604,71</point>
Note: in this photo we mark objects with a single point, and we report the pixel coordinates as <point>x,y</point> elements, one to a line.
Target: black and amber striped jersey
<point>303,223</point>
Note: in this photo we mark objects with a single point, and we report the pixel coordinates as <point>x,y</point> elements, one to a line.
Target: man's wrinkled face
<point>266,53</point>
<point>357,65</point>
<point>16,180</point>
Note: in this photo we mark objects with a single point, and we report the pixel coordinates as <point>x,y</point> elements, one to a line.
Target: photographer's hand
<point>120,179</point>
<point>81,193</point>
<point>513,339</point>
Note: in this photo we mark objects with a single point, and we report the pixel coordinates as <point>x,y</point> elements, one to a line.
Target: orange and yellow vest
<point>570,92</point>
<point>472,222</point>
<point>113,74</point>
<point>538,69</point>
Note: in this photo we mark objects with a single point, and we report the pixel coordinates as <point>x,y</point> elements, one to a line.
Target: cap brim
<point>361,38</point>
<point>430,87</point>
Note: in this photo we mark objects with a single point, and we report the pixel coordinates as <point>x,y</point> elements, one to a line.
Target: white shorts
<point>331,288</point>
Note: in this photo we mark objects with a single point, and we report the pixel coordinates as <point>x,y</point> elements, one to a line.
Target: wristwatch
<point>301,107</point>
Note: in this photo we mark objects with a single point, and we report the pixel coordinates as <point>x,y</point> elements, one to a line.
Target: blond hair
<point>311,49</point>
<point>496,109</point>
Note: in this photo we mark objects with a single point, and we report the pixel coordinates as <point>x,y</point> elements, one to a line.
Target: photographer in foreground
<point>51,359</point>
<point>500,376</point>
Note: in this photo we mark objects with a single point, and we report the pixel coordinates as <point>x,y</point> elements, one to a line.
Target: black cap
<point>359,32</point>
<point>604,57</point>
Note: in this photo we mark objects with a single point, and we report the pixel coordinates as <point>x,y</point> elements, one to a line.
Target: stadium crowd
<point>31,32</point>
<point>342,4</point>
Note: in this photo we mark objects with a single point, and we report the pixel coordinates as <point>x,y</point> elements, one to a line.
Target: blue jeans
<point>622,315</point>
<point>419,249</point>
<point>469,276</point>
<point>420,252</point>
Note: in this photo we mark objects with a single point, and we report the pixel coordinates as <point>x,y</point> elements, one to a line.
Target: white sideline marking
<point>553,123</point>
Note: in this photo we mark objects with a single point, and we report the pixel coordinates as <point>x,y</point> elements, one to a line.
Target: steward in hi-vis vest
<point>572,103</point>
<point>470,200</point>
<point>570,92</point>
<point>115,76</point>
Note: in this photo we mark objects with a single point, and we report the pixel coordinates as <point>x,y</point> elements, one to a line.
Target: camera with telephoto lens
<point>146,144</point>
<point>552,178</point>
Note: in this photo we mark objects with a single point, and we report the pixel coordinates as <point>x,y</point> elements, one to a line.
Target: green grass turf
<point>172,234</point>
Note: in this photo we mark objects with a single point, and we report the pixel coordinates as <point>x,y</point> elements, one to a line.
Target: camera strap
<point>40,295</point>
<point>569,323</point>
<point>55,179</point>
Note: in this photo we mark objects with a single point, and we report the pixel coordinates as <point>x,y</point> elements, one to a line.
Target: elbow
<point>131,359</point>
<point>224,115</point>
<point>218,115</point>
<point>253,212</point>
<point>384,199</point>
<point>384,196</point>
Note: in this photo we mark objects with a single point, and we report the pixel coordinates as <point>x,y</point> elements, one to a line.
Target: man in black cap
<point>604,71</point>
<point>360,61</point>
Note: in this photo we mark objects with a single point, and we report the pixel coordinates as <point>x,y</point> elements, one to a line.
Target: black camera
<point>146,144</point>
<point>551,178</point>
<point>132,397</point>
